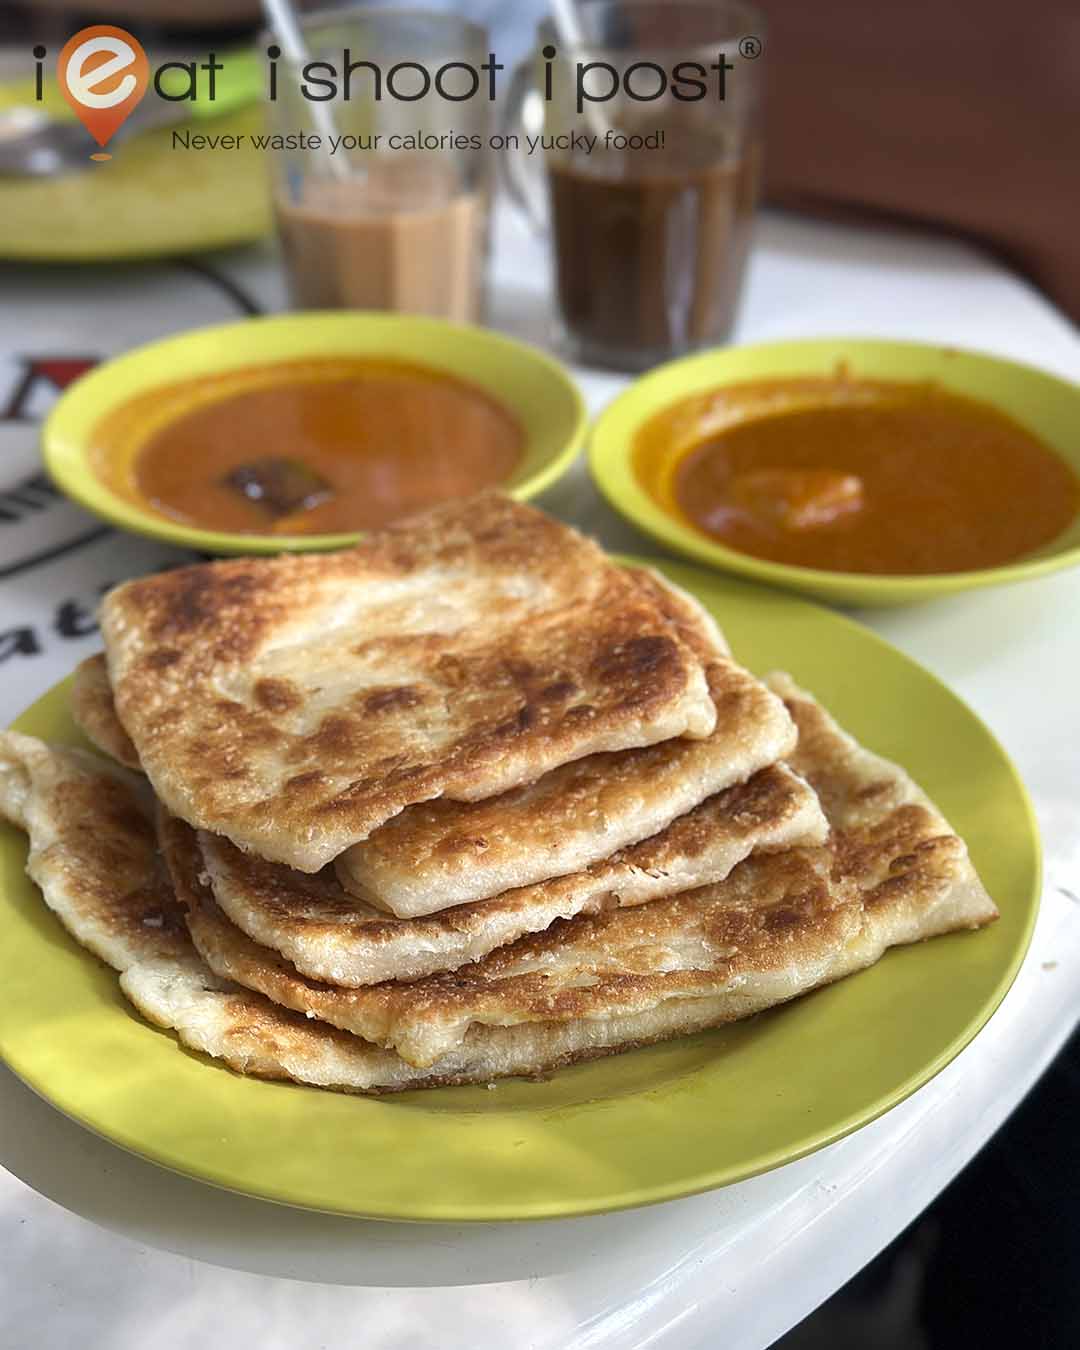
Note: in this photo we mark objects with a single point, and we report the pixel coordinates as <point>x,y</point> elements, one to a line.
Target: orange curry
<point>307,447</point>
<point>857,476</point>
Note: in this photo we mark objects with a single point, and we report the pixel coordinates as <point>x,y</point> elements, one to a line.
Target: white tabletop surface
<point>103,1250</point>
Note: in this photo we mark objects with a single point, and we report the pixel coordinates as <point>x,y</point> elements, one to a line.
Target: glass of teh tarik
<point>382,196</point>
<point>652,147</point>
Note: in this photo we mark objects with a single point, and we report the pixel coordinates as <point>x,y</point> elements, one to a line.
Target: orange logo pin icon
<point>103,73</point>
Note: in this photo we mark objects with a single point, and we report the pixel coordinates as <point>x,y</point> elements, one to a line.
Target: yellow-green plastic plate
<point>148,201</point>
<point>649,1125</point>
<point>533,386</point>
<point>1047,406</point>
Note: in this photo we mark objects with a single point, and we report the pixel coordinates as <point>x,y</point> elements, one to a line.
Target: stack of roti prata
<point>466,801</point>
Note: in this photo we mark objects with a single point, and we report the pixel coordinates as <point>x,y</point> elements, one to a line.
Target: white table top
<point>102,1249</point>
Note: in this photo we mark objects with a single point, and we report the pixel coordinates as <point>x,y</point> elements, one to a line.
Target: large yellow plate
<point>646,1126</point>
<point>1047,406</point>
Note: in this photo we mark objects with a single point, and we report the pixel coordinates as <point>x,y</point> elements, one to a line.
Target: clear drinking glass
<point>396,218</point>
<point>650,236</point>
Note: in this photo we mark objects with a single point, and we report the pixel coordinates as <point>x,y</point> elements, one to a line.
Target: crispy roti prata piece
<point>442,854</point>
<point>294,704</point>
<point>94,711</point>
<point>858,788</point>
<point>690,619</point>
<point>892,872</point>
<point>439,854</point>
<point>93,853</point>
<point>253,1036</point>
<point>782,923</point>
<point>92,849</point>
<point>376,1012</point>
<point>817,920</point>
<point>332,936</point>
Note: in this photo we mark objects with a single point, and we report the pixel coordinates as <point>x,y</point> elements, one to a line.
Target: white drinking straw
<point>568,29</point>
<point>567,22</point>
<point>283,22</point>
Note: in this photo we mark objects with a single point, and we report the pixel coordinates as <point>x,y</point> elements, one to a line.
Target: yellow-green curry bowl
<point>1047,406</point>
<point>536,389</point>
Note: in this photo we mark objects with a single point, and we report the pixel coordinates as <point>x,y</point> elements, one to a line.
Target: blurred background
<point>964,116</point>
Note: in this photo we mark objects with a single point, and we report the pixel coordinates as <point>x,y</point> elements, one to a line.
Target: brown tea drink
<point>650,248</point>
<point>402,236</point>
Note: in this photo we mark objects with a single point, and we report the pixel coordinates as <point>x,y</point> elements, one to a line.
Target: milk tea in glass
<point>652,187</point>
<point>395,218</point>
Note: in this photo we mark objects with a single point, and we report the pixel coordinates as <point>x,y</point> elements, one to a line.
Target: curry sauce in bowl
<point>303,431</point>
<point>891,478</point>
<point>307,447</point>
<point>863,472</point>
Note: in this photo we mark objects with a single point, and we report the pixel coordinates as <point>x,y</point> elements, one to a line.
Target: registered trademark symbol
<point>750,47</point>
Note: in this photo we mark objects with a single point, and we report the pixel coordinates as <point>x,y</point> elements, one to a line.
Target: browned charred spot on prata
<point>732,704</point>
<point>522,720</point>
<point>163,718</point>
<point>558,692</point>
<point>129,820</point>
<point>522,672</point>
<point>928,853</point>
<point>901,887</point>
<point>186,599</point>
<point>395,699</point>
<point>452,670</point>
<point>113,805</point>
<point>782,917</point>
<point>254,733</point>
<point>162,658</point>
<point>634,660</point>
<point>276,695</point>
<point>299,782</point>
<point>947,845</point>
<point>761,796</point>
<point>335,738</point>
<point>581,712</point>
<point>387,773</point>
<point>463,843</point>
